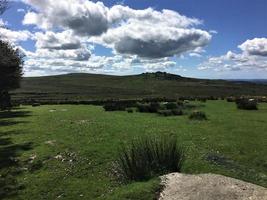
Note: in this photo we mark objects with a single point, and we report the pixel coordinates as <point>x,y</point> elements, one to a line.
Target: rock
<point>209,187</point>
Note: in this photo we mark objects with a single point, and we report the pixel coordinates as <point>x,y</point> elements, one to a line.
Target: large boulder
<point>178,186</point>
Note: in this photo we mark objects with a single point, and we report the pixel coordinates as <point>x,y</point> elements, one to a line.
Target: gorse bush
<point>177,112</point>
<point>230,99</point>
<point>198,115</point>
<point>171,105</point>
<point>152,107</point>
<point>129,110</point>
<point>147,157</point>
<point>165,113</point>
<point>247,104</point>
<point>114,106</point>
<point>172,112</point>
<point>142,107</point>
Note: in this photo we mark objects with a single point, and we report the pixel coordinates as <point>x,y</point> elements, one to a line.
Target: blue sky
<point>208,38</point>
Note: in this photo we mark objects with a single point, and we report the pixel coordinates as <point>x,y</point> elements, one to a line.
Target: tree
<point>11,62</point>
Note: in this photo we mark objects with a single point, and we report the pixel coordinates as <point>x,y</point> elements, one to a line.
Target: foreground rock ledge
<point>209,187</point>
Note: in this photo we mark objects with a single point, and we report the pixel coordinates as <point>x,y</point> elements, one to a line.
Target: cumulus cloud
<point>145,38</point>
<point>154,41</point>
<point>58,41</point>
<point>21,10</point>
<point>252,57</point>
<point>14,36</point>
<point>256,46</point>
<point>119,13</point>
<point>47,62</point>
<point>146,33</point>
<point>82,16</point>
<point>82,54</point>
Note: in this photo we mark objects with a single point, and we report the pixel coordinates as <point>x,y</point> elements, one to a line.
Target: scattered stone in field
<point>83,121</point>
<point>52,110</point>
<point>59,157</point>
<point>67,157</point>
<point>32,158</point>
<point>209,187</point>
<point>51,142</point>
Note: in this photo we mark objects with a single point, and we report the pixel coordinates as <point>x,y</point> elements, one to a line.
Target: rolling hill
<point>83,86</point>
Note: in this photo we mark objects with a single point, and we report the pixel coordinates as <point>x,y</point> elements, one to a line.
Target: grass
<point>67,151</point>
<point>147,156</point>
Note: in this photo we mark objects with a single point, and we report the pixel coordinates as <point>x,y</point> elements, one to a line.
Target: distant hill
<point>258,81</point>
<point>81,86</point>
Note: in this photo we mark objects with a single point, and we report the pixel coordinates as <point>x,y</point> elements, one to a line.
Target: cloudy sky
<point>196,38</point>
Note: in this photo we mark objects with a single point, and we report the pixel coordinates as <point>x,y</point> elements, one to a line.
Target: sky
<point>216,39</point>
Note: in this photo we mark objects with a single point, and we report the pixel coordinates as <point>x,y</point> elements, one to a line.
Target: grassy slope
<point>94,136</point>
<point>91,86</point>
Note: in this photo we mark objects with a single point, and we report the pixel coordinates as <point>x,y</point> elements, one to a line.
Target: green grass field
<point>67,151</point>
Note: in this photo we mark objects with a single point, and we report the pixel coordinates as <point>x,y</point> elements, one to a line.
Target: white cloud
<point>20,10</point>
<point>3,23</point>
<point>153,41</point>
<point>57,41</point>
<point>213,32</point>
<point>253,57</point>
<point>138,38</point>
<point>14,36</point>
<point>82,16</point>
<point>146,33</point>
<point>256,46</point>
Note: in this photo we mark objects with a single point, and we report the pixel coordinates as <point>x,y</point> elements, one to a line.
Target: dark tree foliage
<point>11,61</point>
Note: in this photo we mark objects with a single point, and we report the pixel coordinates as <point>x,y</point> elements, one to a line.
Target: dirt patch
<point>209,187</point>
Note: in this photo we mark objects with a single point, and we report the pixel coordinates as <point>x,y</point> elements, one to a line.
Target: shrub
<point>147,157</point>
<point>180,103</point>
<point>150,108</point>
<point>129,110</point>
<point>247,104</point>
<point>36,104</point>
<point>171,105</point>
<point>142,107</point>
<point>114,106</point>
<point>198,115</point>
<point>153,107</point>
<point>165,113</point>
<point>202,99</point>
<point>230,99</point>
<point>177,112</point>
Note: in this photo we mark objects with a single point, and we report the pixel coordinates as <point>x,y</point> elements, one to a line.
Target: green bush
<point>165,113</point>
<point>247,104</point>
<point>142,107</point>
<point>198,115</point>
<point>36,104</point>
<point>129,110</point>
<point>230,99</point>
<point>171,105</point>
<point>114,106</point>
<point>148,157</point>
<point>177,112</point>
<point>152,107</point>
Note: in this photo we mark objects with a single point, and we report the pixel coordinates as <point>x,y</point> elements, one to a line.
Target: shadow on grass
<point>14,114</point>
<point>10,166</point>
